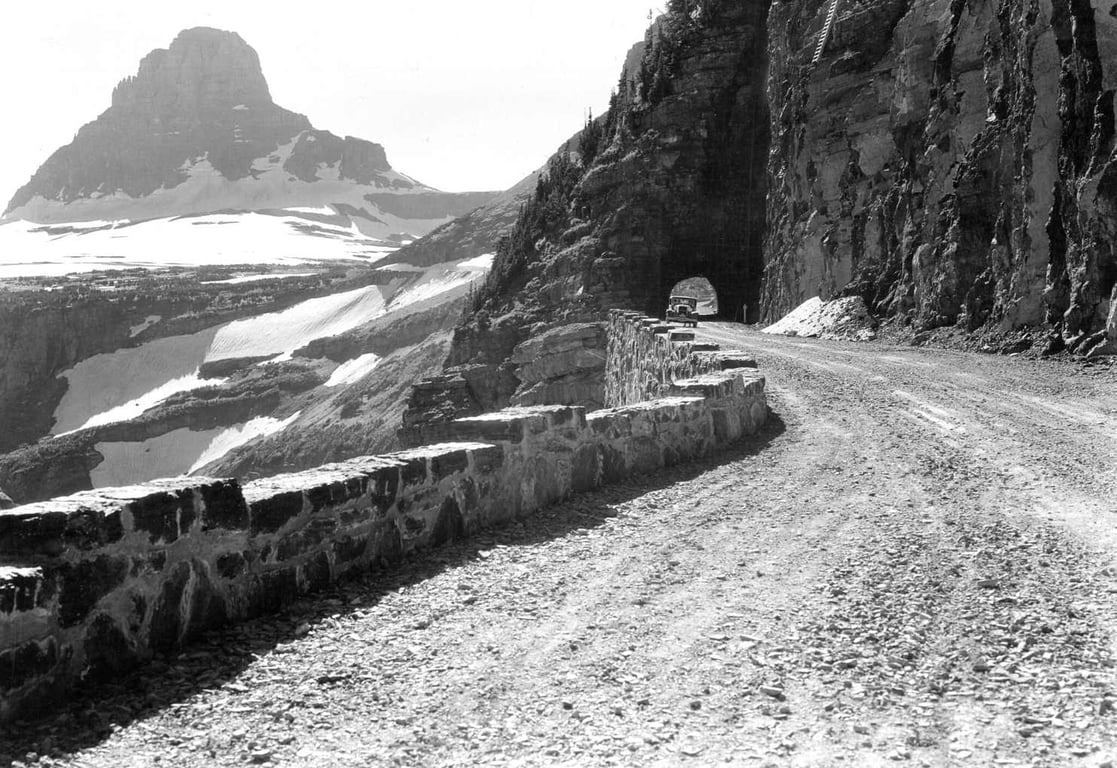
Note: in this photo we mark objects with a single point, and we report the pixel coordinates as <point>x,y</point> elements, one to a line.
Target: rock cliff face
<point>947,160</point>
<point>669,185</point>
<point>951,162</point>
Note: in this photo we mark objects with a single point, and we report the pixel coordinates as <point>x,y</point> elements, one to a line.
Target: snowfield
<point>205,190</point>
<point>440,282</point>
<point>234,437</point>
<point>482,262</point>
<point>180,452</point>
<point>280,239</point>
<point>168,455</point>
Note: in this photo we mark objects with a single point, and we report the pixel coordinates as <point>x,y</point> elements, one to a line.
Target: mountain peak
<point>203,70</point>
<point>195,131</point>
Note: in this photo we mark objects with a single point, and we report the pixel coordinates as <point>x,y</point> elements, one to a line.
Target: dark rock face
<point>669,185</point>
<point>6,500</point>
<point>951,163</point>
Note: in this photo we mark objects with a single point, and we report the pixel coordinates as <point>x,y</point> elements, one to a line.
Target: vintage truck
<point>682,309</point>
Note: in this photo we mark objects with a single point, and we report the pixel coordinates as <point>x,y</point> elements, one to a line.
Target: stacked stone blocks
<point>94,584</point>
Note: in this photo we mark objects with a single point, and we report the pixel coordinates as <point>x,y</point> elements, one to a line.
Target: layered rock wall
<point>948,160</point>
<point>95,583</point>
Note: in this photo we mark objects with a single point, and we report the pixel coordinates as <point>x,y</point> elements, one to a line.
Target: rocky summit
<point>196,130</point>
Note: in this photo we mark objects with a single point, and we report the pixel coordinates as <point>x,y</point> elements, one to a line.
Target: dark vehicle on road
<point>682,309</point>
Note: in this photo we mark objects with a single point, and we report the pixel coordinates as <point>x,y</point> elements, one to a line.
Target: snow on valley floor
<point>241,279</point>
<point>281,238</point>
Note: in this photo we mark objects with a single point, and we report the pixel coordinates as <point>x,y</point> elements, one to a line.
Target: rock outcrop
<point>946,162</point>
<point>949,162</point>
<point>6,501</point>
<point>668,185</point>
<point>562,365</point>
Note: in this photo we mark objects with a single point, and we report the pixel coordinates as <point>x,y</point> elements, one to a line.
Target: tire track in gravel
<point>853,587</point>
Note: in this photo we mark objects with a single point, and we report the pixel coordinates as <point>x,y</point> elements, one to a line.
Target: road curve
<point>915,564</point>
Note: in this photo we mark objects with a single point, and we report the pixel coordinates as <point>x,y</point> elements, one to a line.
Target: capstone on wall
<point>646,356</point>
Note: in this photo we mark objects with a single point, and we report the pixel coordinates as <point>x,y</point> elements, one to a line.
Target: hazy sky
<point>463,95</point>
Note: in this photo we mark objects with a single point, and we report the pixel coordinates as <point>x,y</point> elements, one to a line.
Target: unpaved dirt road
<point>915,564</point>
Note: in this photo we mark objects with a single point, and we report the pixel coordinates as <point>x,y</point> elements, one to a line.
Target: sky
<point>463,95</point>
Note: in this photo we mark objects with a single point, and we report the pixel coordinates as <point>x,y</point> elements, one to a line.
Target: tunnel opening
<point>717,230</point>
<point>702,291</point>
<point>730,270</point>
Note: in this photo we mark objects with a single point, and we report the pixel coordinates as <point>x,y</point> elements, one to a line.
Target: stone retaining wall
<point>96,583</point>
<point>646,356</point>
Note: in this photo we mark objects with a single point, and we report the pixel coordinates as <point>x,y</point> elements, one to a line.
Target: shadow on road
<point>93,713</point>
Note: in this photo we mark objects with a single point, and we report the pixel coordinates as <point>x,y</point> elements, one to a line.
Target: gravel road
<point>915,563</point>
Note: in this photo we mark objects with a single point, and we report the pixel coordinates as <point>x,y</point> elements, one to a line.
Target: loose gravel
<point>911,565</point>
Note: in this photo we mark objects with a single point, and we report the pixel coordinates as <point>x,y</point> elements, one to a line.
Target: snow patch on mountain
<point>120,385</point>
<point>102,383</point>
<point>482,262</point>
<point>280,333</point>
<point>234,437</point>
<point>440,282</point>
<point>136,407</point>
<point>180,452</point>
<point>353,370</point>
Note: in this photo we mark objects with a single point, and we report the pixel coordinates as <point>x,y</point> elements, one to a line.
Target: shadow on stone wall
<point>93,711</point>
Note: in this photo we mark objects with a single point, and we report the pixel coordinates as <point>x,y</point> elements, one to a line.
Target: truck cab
<point>682,309</point>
